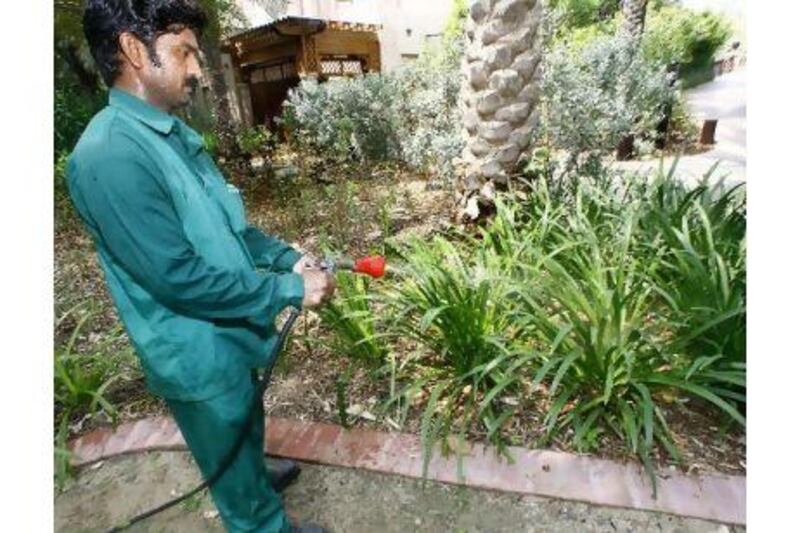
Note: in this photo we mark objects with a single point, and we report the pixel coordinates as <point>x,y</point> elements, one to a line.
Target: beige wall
<point>397,17</point>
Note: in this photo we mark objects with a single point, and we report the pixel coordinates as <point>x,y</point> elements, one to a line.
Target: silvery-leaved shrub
<point>593,98</point>
<point>345,118</point>
<point>410,115</point>
<point>428,116</point>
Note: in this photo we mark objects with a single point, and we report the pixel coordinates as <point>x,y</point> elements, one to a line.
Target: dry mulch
<point>304,384</point>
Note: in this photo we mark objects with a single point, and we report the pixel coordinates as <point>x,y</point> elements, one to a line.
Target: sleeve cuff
<point>293,290</point>
<point>286,260</point>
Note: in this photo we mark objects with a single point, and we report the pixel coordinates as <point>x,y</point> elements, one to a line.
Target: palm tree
<point>633,15</point>
<point>498,95</point>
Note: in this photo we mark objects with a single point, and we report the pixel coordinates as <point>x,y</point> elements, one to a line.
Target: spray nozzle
<point>373,266</point>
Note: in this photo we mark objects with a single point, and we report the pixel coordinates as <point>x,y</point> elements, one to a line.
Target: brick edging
<point>537,472</point>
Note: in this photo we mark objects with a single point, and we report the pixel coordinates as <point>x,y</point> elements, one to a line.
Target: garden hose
<point>263,381</point>
<point>374,266</point>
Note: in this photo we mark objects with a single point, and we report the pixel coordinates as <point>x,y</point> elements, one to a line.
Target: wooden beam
<point>345,42</point>
<point>308,58</point>
<point>272,53</point>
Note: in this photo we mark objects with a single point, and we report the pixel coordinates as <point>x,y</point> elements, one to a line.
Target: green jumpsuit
<point>197,289</point>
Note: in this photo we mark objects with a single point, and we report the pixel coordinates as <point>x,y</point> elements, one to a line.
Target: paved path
<point>724,98</point>
<point>344,500</point>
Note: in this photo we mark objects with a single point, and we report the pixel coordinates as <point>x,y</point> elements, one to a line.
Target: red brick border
<point>538,472</point>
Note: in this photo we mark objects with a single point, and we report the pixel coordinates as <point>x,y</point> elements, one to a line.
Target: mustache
<point>192,82</point>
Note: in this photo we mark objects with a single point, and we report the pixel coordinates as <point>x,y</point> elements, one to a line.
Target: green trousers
<point>243,495</point>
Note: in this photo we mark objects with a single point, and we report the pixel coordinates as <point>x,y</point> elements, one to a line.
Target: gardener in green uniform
<point>197,288</point>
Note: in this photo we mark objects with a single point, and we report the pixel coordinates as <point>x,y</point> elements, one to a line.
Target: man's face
<point>172,82</point>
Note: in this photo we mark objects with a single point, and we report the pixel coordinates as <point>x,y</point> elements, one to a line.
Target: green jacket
<point>182,266</point>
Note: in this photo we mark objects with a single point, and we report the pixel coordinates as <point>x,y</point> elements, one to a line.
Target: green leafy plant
<point>352,321</point>
<point>458,312</point>
<point>82,381</point>
<point>594,98</point>
<point>606,265</point>
<point>210,142</point>
<point>702,276</point>
<point>256,140</point>
<point>680,35</point>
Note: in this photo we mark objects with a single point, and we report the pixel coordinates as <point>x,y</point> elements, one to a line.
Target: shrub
<point>411,115</point>
<point>210,142</point>
<point>81,381</point>
<point>676,34</point>
<point>73,109</point>
<point>345,118</point>
<point>641,292</point>
<point>613,295</point>
<point>702,276</point>
<point>455,308</point>
<point>65,216</point>
<point>591,99</point>
<point>427,112</point>
<point>254,141</point>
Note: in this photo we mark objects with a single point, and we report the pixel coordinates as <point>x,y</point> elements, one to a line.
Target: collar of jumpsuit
<point>196,287</point>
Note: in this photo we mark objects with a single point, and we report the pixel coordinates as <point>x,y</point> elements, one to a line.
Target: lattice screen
<point>341,67</point>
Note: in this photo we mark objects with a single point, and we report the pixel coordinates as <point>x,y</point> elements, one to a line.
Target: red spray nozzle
<point>374,266</point>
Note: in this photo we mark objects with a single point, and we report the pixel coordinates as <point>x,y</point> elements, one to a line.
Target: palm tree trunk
<point>498,95</point>
<point>633,15</point>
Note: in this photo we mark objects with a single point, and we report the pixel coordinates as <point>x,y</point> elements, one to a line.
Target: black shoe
<point>282,472</point>
<point>308,528</point>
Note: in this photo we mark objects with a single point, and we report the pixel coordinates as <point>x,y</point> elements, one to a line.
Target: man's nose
<point>194,69</point>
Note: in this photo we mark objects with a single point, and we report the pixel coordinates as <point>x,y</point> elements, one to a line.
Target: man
<point>197,288</point>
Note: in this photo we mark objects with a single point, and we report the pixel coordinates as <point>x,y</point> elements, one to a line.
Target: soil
<point>304,383</point>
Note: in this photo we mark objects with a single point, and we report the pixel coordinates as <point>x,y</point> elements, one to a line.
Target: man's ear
<point>133,50</point>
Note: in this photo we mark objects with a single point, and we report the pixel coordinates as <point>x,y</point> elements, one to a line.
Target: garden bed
<point>353,216</point>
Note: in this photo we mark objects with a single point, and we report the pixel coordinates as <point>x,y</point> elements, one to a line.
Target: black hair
<point>105,20</point>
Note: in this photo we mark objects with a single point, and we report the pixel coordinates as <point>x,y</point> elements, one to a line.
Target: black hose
<point>229,458</point>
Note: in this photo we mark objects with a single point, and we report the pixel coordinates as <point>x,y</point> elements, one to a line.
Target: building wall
<point>406,24</point>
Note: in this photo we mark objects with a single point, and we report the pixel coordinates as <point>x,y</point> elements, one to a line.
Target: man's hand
<point>319,286</point>
<point>307,262</point>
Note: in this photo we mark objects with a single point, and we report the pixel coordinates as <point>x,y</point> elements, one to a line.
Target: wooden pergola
<point>271,59</point>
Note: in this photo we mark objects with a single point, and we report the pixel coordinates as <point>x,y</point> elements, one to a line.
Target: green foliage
<point>593,98</point>
<point>675,34</point>
<point>256,140</point>
<point>82,379</point>
<point>73,109</point>
<point>348,119</point>
<point>427,112</point>
<point>611,296</point>
<point>455,307</point>
<point>698,235</point>
<point>452,307</point>
<point>353,322</point>
<point>210,142</point>
<point>577,13</point>
<point>578,39</point>
<point>454,26</point>
<point>411,115</point>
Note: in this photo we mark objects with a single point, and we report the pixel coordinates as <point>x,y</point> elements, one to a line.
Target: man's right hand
<point>319,286</point>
